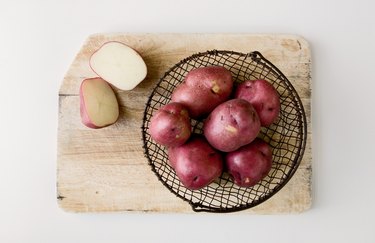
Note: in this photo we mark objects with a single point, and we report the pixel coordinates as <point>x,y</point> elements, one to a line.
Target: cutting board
<point>104,170</point>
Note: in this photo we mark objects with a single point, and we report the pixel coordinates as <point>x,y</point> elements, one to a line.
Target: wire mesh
<point>286,136</point>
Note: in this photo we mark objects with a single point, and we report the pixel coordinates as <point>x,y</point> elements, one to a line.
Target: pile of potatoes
<point>232,117</point>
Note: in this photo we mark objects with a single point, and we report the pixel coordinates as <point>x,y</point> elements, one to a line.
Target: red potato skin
<point>249,164</point>
<point>170,125</point>
<point>196,163</point>
<point>231,125</point>
<point>263,96</point>
<point>85,119</point>
<point>203,89</point>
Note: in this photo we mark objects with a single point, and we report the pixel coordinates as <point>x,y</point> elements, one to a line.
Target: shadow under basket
<point>286,136</point>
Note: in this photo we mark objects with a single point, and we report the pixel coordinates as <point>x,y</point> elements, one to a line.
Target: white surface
<point>38,41</point>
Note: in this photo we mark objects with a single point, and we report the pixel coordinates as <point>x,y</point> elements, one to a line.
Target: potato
<point>98,103</point>
<point>119,64</point>
<point>263,96</point>
<point>231,125</point>
<point>203,89</point>
<point>170,125</point>
<point>196,163</point>
<point>249,164</point>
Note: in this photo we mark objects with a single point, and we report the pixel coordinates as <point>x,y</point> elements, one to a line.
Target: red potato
<point>203,89</point>
<point>98,103</point>
<point>170,125</point>
<point>263,96</point>
<point>249,164</point>
<point>231,125</point>
<point>119,64</point>
<point>196,163</point>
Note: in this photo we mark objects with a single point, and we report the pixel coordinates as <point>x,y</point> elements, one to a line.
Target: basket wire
<point>286,136</point>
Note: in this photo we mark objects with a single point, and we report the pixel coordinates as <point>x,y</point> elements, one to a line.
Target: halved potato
<point>98,103</point>
<point>119,64</point>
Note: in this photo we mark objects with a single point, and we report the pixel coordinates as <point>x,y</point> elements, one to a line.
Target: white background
<point>38,41</point>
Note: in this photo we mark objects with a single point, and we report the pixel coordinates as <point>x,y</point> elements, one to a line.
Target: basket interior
<point>287,136</point>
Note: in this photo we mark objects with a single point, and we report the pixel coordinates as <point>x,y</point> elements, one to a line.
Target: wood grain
<point>104,170</point>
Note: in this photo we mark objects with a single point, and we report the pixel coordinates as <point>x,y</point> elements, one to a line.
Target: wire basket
<point>286,136</point>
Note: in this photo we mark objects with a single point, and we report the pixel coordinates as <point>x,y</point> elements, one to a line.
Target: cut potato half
<point>119,64</point>
<point>98,103</point>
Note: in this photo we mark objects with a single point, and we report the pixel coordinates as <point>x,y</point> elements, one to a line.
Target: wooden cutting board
<point>104,170</point>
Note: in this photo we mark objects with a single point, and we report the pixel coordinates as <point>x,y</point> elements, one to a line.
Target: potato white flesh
<point>98,103</point>
<point>119,64</point>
